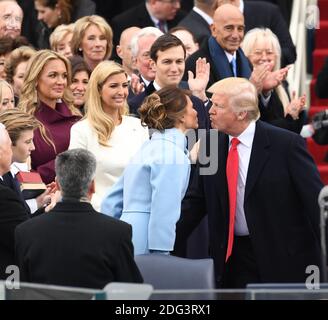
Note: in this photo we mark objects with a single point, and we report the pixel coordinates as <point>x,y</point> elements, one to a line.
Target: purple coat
<point>58,124</point>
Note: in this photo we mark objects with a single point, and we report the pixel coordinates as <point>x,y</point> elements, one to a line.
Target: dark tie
<point>161,25</point>
<point>233,64</point>
<point>232,171</point>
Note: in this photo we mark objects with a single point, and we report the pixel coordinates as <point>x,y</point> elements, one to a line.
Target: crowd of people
<point>141,124</point>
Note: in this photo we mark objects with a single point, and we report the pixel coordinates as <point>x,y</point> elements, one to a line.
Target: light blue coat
<point>148,195</point>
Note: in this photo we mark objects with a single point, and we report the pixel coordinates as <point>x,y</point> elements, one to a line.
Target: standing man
<point>12,210</point>
<point>262,199</point>
<point>74,245</point>
<point>161,14</point>
<point>168,56</point>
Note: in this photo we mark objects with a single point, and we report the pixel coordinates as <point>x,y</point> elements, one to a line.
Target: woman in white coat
<point>106,130</point>
<point>149,194</point>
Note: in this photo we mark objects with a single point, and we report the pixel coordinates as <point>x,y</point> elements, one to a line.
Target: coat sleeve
<point>112,204</point>
<point>126,268</point>
<point>307,181</point>
<point>78,137</point>
<point>168,183</point>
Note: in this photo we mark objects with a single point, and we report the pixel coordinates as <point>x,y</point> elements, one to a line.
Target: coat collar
<point>259,156</point>
<point>173,135</point>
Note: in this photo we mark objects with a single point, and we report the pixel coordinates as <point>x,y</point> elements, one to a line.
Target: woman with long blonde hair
<point>106,130</point>
<point>45,94</point>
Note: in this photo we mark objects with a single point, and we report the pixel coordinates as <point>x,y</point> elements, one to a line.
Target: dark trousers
<point>241,267</point>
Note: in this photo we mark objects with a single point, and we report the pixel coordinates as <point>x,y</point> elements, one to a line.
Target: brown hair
<point>65,7</point>
<point>165,42</point>
<point>162,109</point>
<point>17,121</point>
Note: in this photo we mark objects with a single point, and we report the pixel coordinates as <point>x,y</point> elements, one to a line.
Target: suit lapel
<point>259,156</point>
<point>220,179</point>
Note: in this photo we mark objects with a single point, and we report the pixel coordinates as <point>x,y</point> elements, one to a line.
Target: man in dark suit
<point>12,211</point>
<point>259,14</point>
<point>74,245</point>
<point>223,47</point>
<point>162,14</point>
<point>168,61</point>
<point>260,195</point>
<point>199,19</point>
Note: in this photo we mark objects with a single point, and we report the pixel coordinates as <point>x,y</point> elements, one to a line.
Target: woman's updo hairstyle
<point>164,108</point>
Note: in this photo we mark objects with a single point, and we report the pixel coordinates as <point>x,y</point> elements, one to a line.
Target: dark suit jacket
<point>321,84</point>
<point>263,14</point>
<point>12,213</point>
<point>280,204</point>
<point>197,25</point>
<point>225,71</point>
<point>137,16</point>
<point>202,111</point>
<point>73,245</point>
<point>273,113</point>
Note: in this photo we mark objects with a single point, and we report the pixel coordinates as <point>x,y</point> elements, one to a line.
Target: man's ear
<point>92,188</point>
<point>57,184</point>
<point>119,51</point>
<point>213,29</point>
<point>242,115</point>
<point>153,65</point>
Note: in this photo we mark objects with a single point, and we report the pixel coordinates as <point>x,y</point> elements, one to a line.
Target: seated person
<point>75,245</point>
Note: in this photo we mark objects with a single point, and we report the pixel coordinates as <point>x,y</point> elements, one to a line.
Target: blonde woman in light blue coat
<point>148,195</point>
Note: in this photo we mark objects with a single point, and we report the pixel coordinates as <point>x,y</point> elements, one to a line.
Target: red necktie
<point>232,170</point>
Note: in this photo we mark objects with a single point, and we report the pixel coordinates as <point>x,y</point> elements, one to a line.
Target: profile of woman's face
<point>190,119</point>
<point>18,77</point>
<point>47,15</point>
<point>263,53</point>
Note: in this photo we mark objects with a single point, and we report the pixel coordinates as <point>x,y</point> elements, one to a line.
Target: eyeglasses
<point>259,53</point>
<point>10,18</point>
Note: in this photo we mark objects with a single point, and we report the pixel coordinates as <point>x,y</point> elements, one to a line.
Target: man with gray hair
<point>74,245</point>
<point>261,202</point>
<point>11,19</point>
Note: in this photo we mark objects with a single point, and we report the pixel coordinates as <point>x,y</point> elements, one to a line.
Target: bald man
<point>123,50</point>
<point>11,18</point>
<point>223,47</point>
<point>262,14</point>
<point>12,211</point>
<point>263,225</point>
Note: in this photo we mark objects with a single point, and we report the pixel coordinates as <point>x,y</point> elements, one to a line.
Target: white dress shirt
<point>244,152</point>
<point>204,15</point>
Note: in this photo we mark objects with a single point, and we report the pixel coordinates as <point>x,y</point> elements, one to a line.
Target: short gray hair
<point>144,32</point>
<point>75,170</point>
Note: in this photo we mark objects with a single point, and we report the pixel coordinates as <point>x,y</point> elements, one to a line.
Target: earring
<point>80,49</point>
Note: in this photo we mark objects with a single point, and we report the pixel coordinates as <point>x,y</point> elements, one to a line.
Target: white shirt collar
<point>15,167</point>
<point>241,6</point>
<point>231,56</point>
<point>153,18</point>
<point>145,81</point>
<point>156,86</point>
<point>247,136</point>
<point>204,15</point>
